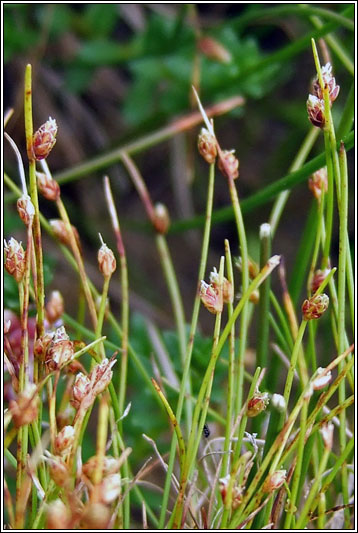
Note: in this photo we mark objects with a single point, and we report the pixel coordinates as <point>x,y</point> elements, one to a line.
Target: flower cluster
<point>315,102</point>
<point>86,388</point>
<point>315,307</point>
<point>44,139</point>
<point>215,295</point>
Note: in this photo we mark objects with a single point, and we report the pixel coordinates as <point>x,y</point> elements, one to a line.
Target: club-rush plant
<point>281,452</point>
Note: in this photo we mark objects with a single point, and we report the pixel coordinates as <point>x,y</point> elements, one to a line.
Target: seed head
<point>60,350</point>
<point>101,375</point>
<point>214,50</point>
<point>15,261</point>
<point>26,209</point>
<point>59,471</point>
<point>44,139</point>
<point>274,481</point>
<point>226,288</point>
<point>315,109</point>
<point>322,379</point>
<point>211,298</point>
<point>81,388</point>
<point>229,164</point>
<point>318,183</point>
<point>106,261</point>
<point>110,488</point>
<point>161,220</point>
<point>257,404</point>
<point>315,306</point>
<point>95,516</point>
<point>48,187</point>
<point>64,440</point>
<point>41,345</point>
<point>328,81</point>
<point>110,465</point>
<point>24,410</point>
<point>58,515</point>
<point>327,435</point>
<point>318,279</point>
<point>54,307</point>
<point>207,146</point>
<point>60,231</point>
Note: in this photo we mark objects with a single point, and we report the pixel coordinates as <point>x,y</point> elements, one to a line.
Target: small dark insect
<point>206,431</point>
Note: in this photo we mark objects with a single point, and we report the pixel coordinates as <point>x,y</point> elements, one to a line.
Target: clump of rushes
<point>44,139</point>
<point>315,306</point>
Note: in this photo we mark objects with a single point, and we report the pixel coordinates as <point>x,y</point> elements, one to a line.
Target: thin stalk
<point>194,321</point>
<point>102,429</point>
<point>302,520</point>
<point>40,288</point>
<point>101,312</point>
<point>245,284</point>
<point>297,473</point>
<point>297,163</point>
<point>264,303</point>
<point>124,322</point>
<point>77,254</point>
<point>231,367</point>
<point>343,220</point>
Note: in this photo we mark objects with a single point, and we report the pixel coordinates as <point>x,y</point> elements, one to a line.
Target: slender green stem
<point>297,473</point>
<point>245,283</point>
<point>264,302</point>
<point>194,321</point>
<point>101,313</point>
<point>40,288</point>
<point>231,368</point>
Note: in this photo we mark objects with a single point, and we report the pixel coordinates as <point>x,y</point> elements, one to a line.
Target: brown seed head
<point>101,375</point>
<point>95,516</point>
<point>274,481</point>
<point>161,220</point>
<point>207,146</point>
<point>315,109</point>
<point>54,307</point>
<point>211,298</point>
<point>257,404</point>
<point>41,345</point>
<point>15,260</point>
<point>58,515</point>
<point>106,261</point>
<point>318,279</point>
<point>60,350</point>
<point>59,471</point>
<point>315,306</point>
<point>44,139</point>
<point>64,440</point>
<point>110,465</point>
<point>81,388</point>
<point>26,209</point>
<point>328,81</point>
<point>25,408</point>
<point>318,183</point>
<point>214,50</point>
<point>48,187</point>
<point>229,164</point>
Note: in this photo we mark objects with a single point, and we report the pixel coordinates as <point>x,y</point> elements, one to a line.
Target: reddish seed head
<point>274,481</point>
<point>15,261</point>
<point>81,389</point>
<point>318,279</point>
<point>315,306</point>
<point>26,209</point>
<point>161,220</point>
<point>328,81</point>
<point>318,183</point>
<point>315,109</point>
<point>64,440</point>
<point>106,261</point>
<point>54,307</point>
<point>214,50</point>
<point>227,291</point>
<point>60,231</point>
<point>207,146</point>
<point>211,297</point>
<point>257,404</point>
<point>60,350</point>
<point>48,187</point>
<point>25,408</point>
<point>44,139</point>
<point>229,164</point>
